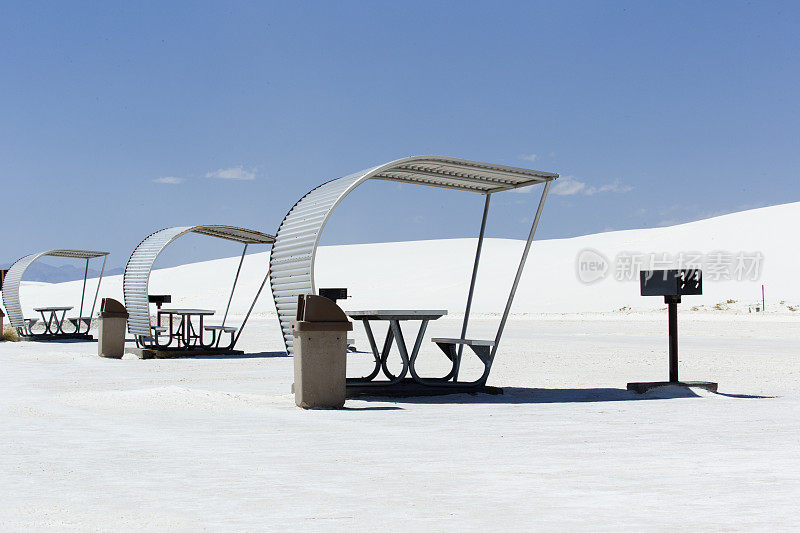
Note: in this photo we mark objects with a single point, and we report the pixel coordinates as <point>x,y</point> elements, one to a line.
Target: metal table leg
<point>184,332</point>
<point>378,356</point>
<point>401,347</point>
<point>415,353</point>
<point>60,323</point>
<point>46,322</point>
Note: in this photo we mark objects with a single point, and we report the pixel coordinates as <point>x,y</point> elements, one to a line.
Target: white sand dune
<point>435,274</point>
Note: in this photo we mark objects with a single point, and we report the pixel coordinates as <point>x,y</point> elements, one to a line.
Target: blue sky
<point>119,119</point>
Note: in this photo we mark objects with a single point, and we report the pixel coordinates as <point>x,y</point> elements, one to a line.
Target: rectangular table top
<point>45,309</point>
<point>397,314</point>
<point>186,311</point>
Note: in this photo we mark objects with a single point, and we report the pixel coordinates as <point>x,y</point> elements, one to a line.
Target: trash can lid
<point>317,313</point>
<point>314,308</point>
<point>111,308</point>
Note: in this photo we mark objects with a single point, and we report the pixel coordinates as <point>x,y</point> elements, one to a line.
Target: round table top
<point>45,309</point>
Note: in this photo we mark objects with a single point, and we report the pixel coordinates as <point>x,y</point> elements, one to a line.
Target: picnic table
<point>394,334</point>
<point>185,335</point>
<point>53,319</point>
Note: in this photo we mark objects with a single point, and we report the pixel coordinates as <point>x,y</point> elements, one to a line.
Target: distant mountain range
<point>41,271</point>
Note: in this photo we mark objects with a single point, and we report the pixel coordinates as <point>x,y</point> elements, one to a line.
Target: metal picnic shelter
<point>54,326</point>
<point>137,299</point>
<point>293,253</point>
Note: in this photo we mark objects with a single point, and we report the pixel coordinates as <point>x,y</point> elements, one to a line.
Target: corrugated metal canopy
<point>137,272</point>
<point>76,254</point>
<point>17,270</point>
<point>292,258</point>
<point>242,235</point>
<point>461,174</point>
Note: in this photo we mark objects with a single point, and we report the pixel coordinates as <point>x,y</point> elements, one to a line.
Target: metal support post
<point>230,298</point>
<point>472,281</point>
<point>83,293</point>
<point>241,328</point>
<point>235,279</point>
<point>96,292</point>
<point>522,261</point>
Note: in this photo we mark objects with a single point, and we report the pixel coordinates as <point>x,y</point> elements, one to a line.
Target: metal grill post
<point>672,304</point>
<point>521,267</point>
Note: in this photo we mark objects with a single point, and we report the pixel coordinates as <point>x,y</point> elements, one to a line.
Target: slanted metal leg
<point>83,294</point>
<point>178,335</point>
<point>96,293</point>
<point>418,343</point>
<point>50,322</point>
<point>472,281</point>
<point>520,268</point>
<point>230,298</point>
<point>200,331</point>
<point>375,354</point>
<point>60,323</point>
<point>387,347</point>
<point>247,316</point>
<point>401,347</point>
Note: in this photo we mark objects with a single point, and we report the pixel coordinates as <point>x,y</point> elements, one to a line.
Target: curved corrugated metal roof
<point>292,258</point>
<point>140,264</point>
<point>17,270</point>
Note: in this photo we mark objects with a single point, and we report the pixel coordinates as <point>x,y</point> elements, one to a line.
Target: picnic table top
<point>186,311</point>
<point>45,309</point>
<point>398,314</point>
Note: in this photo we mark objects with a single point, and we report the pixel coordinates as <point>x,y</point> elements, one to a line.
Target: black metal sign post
<point>672,304</point>
<point>671,284</point>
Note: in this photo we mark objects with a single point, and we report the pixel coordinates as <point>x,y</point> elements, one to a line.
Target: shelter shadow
<point>256,355</point>
<point>525,395</point>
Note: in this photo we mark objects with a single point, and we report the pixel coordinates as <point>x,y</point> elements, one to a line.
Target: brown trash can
<point>320,353</point>
<point>111,337</point>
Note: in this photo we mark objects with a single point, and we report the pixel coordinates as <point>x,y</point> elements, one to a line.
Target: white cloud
<point>529,157</point>
<point>169,180</point>
<point>233,173</point>
<point>568,186</point>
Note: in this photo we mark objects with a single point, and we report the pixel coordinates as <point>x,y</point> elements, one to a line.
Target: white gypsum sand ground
<point>216,443</point>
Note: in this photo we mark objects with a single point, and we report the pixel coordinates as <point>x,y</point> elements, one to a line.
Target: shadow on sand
<point>257,355</point>
<point>522,395</point>
<point>59,341</point>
